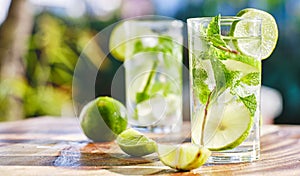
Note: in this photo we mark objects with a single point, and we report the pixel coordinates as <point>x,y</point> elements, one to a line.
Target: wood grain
<point>57,146</point>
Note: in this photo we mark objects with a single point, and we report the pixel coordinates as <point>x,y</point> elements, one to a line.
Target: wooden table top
<point>56,146</point>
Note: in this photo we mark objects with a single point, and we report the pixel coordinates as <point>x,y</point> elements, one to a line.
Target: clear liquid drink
<point>153,74</point>
<point>225,80</point>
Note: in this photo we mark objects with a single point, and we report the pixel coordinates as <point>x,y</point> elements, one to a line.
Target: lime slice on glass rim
<point>269,33</point>
<point>186,156</point>
<point>135,143</point>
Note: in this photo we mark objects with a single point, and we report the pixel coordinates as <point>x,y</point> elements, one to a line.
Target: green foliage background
<point>57,41</point>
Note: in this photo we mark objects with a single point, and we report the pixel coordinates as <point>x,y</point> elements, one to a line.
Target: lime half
<point>135,143</point>
<point>269,32</point>
<point>186,156</point>
<point>230,130</point>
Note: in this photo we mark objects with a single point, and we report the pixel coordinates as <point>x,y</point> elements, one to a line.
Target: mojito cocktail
<point>225,73</point>
<point>153,74</point>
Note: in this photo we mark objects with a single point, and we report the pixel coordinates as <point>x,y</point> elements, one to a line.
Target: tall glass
<point>225,82</point>
<point>153,74</point>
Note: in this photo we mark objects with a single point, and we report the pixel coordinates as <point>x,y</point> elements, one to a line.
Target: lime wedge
<point>231,129</point>
<point>269,32</point>
<point>135,143</point>
<point>187,156</point>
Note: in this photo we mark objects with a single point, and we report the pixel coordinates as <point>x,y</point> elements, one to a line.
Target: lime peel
<point>135,143</point>
<point>185,157</point>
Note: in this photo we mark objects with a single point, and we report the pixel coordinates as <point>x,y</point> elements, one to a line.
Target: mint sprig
<point>145,94</point>
<point>165,46</point>
<point>224,77</point>
<point>214,33</point>
<point>199,82</point>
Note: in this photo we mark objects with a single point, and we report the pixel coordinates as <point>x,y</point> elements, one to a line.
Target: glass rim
<point>149,22</point>
<point>174,22</point>
<point>224,19</point>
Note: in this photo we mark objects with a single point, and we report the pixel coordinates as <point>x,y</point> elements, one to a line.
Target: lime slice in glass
<point>135,143</point>
<point>124,37</point>
<point>269,33</point>
<point>186,156</point>
<point>230,130</point>
<point>117,42</point>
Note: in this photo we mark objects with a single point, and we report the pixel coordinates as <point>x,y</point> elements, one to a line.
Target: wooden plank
<point>56,146</point>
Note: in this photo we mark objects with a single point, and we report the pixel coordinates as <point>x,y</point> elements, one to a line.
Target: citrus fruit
<point>269,32</point>
<point>135,143</point>
<point>186,156</point>
<point>117,42</point>
<point>231,129</point>
<point>121,41</point>
<point>103,119</point>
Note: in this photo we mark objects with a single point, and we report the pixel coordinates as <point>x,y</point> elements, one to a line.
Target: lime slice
<point>231,129</point>
<point>117,42</point>
<point>135,143</point>
<point>125,35</point>
<point>269,32</point>
<point>187,156</point>
<point>242,66</point>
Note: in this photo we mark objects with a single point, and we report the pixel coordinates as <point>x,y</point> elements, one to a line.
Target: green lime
<point>124,37</point>
<point>186,156</point>
<point>230,130</point>
<point>135,143</point>
<point>269,33</point>
<point>117,42</point>
<point>103,119</point>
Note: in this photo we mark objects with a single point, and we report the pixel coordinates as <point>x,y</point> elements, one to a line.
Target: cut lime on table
<point>135,143</point>
<point>187,156</point>
<point>269,32</point>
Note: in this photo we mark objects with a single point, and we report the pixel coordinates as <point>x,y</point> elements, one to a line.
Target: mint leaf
<point>199,85</point>
<point>251,79</point>
<point>225,54</point>
<point>141,96</point>
<point>161,88</point>
<point>214,33</point>
<point>250,103</point>
<point>224,77</point>
<point>164,45</point>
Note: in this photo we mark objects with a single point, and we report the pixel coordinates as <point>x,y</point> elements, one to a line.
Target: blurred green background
<point>41,40</point>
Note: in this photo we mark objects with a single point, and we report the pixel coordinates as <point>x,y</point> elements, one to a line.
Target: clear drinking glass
<point>153,74</point>
<point>225,82</point>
